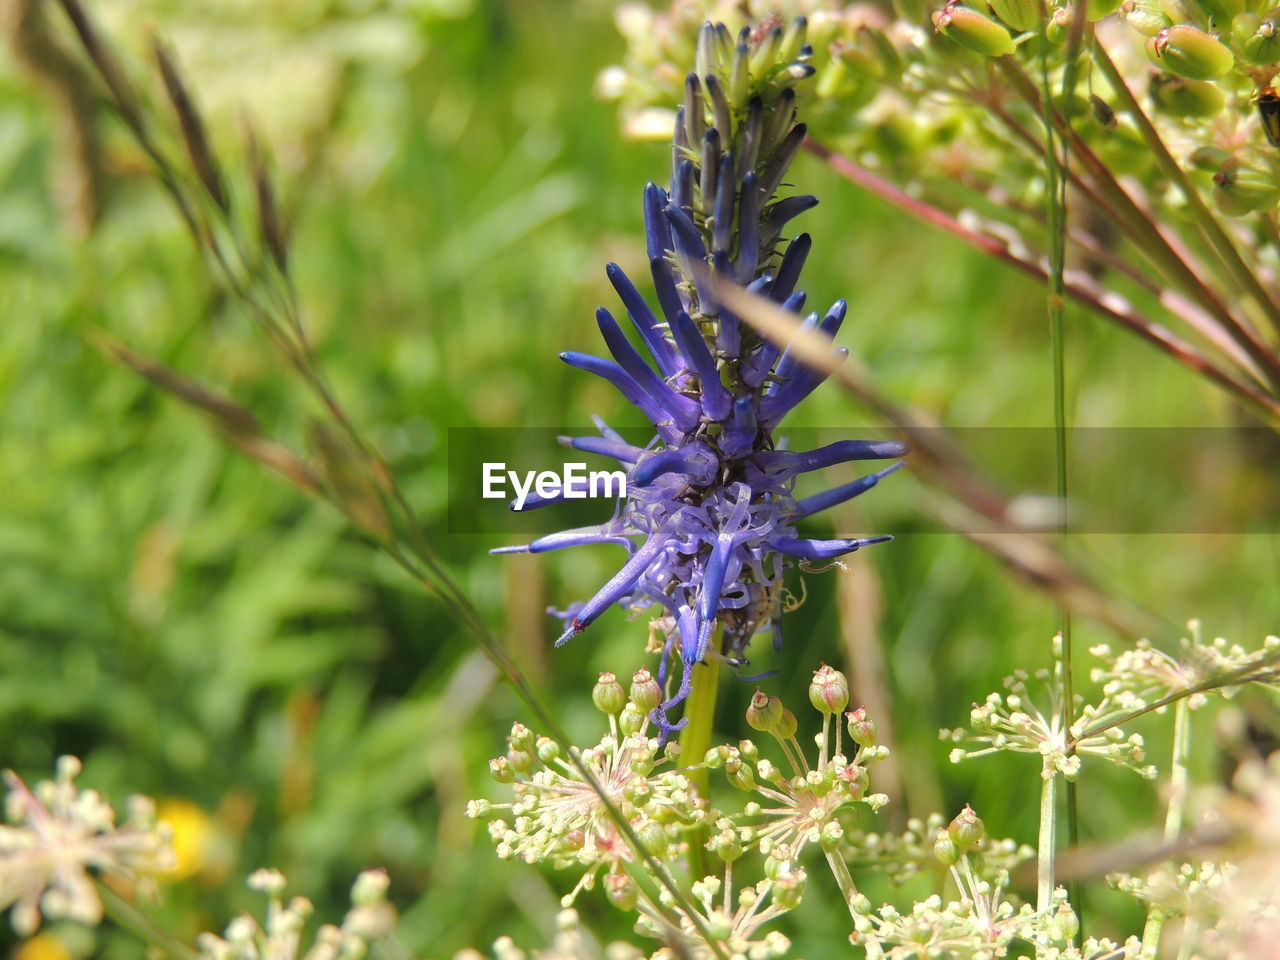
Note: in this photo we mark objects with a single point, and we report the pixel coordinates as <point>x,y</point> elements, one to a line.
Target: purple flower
<point>709,520</point>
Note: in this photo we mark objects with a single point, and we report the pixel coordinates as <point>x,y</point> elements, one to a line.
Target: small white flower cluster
<point>370,918</point>
<point>559,818</point>
<point>570,942</point>
<point>1179,890</point>
<point>802,807</point>
<point>1136,678</point>
<point>59,835</point>
<point>735,923</point>
<point>901,856</point>
<point>1014,722</point>
<point>981,925</point>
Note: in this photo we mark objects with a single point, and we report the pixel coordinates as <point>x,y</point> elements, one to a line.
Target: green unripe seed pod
<point>1249,181</point>
<point>1097,9</point>
<point>547,749</point>
<point>764,712</point>
<point>945,850</point>
<point>1262,47</point>
<point>653,837</point>
<point>1208,158</point>
<point>1244,26</point>
<point>829,690</point>
<point>1058,29</point>
<point>1022,15</point>
<point>787,726</point>
<point>1220,12</point>
<point>739,774</point>
<point>621,891</point>
<point>500,770</point>
<point>608,695</point>
<point>632,721</point>
<point>973,30</point>
<point>862,729</point>
<point>1182,11</point>
<point>966,829</point>
<point>1145,16</point>
<point>1180,97</point>
<point>645,692</point>
<point>788,889</point>
<point>1190,52</point>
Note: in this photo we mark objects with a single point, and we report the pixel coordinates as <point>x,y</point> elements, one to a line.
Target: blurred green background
<point>199,632</point>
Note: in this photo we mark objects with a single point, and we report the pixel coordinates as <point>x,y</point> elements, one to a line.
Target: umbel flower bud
<point>787,726</point>
<point>944,849</point>
<point>764,712</point>
<point>1020,14</point>
<point>966,830</point>
<point>645,692</point>
<point>1190,52</point>
<point>1058,29</point>
<point>608,695</point>
<point>621,891</point>
<point>1145,16</point>
<point>829,690</point>
<point>1180,97</point>
<point>862,729</point>
<point>973,30</point>
<point>788,888</point>
<point>1247,182</point>
<point>1260,45</point>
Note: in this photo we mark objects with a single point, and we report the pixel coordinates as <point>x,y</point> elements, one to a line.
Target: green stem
<point>844,880</point>
<point>1202,216</point>
<point>124,914</point>
<point>1178,784</point>
<point>1045,844</point>
<point>695,741</point>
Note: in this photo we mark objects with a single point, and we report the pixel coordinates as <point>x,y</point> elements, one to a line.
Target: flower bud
<point>1097,9</point>
<point>500,770</point>
<point>973,30</point>
<point>632,720</point>
<point>726,845</point>
<point>1058,29</point>
<point>966,829</point>
<point>1246,182</point>
<point>1063,924</point>
<point>1190,52</point>
<point>739,774</point>
<point>1262,46</point>
<point>829,690</point>
<point>1182,11</point>
<point>1022,15</point>
<point>645,692</point>
<point>1145,16</point>
<point>945,849</point>
<point>862,729</point>
<point>789,888</point>
<point>608,695</point>
<point>548,750</point>
<point>621,891</point>
<point>1244,26</point>
<point>521,738</point>
<point>787,726</point>
<point>653,837</point>
<point>520,761</point>
<point>764,712</point>
<point>1180,97</point>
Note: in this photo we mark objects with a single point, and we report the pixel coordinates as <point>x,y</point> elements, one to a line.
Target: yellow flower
<point>192,832</point>
<point>43,946</point>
